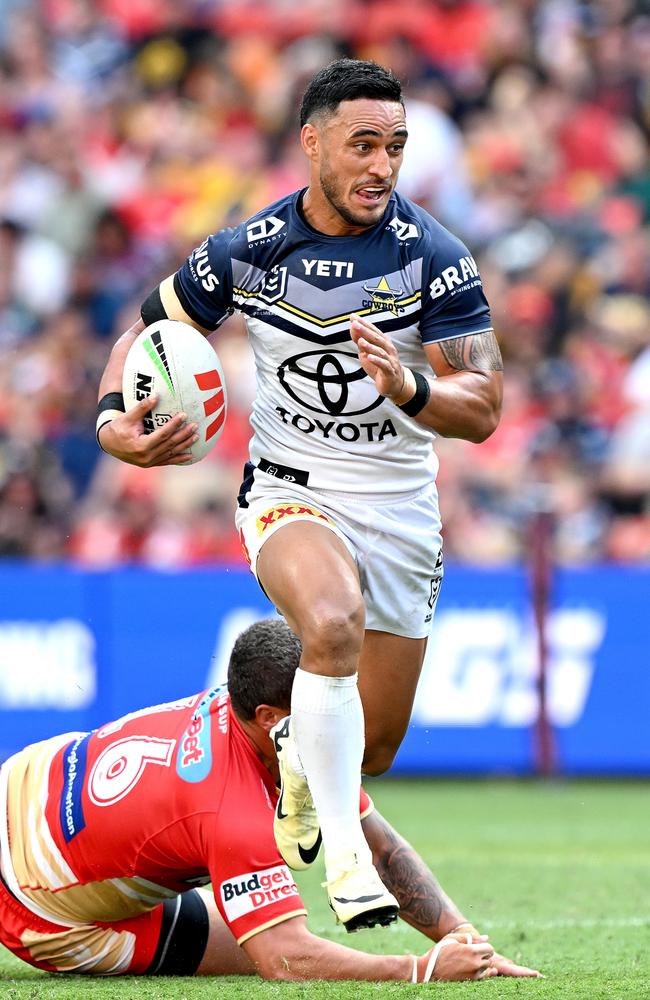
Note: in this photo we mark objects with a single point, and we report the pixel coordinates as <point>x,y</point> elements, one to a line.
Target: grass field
<point>557,874</point>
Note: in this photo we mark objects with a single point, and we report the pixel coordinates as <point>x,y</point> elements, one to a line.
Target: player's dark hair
<point>262,665</point>
<point>348,80</point>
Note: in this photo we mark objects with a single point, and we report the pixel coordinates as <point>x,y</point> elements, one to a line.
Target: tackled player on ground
<point>106,837</point>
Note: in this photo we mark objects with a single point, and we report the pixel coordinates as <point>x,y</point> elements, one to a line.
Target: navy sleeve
<point>204,282</point>
<point>453,302</point>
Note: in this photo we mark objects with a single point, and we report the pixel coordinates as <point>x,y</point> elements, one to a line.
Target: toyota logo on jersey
<point>327,377</point>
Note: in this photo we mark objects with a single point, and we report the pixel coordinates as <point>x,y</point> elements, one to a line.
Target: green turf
<point>558,874</point>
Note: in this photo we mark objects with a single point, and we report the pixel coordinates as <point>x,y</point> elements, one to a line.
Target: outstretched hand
<point>506,967</point>
<point>501,965</point>
<point>124,438</point>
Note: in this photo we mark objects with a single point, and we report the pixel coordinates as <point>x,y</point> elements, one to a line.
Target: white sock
<point>327,719</point>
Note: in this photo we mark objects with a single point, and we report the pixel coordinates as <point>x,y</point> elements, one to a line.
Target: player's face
<point>359,154</point>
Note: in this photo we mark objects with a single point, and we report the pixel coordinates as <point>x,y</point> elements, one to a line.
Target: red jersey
<point>103,826</point>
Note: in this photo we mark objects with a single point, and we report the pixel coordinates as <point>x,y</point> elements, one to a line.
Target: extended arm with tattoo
<point>423,903</point>
<point>465,397</point>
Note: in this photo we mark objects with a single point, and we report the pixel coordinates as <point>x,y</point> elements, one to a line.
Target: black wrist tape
<point>152,308</point>
<point>422,393</point>
<point>111,401</point>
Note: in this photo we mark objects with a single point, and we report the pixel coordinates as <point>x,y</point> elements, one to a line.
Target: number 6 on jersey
<point>119,768</point>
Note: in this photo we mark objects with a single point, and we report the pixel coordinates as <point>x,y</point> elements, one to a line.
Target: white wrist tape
<point>105,417</point>
<point>433,958</point>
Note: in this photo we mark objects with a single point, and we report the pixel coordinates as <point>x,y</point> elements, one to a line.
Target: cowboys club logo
<point>382,297</point>
<point>332,376</point>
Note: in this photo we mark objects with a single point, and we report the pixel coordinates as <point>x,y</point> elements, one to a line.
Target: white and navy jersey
<point>318,418</point>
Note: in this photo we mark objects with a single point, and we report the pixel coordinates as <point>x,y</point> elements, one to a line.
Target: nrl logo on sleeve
<point>274,285</point>
<point>255,890</point>
<point>264,229</point>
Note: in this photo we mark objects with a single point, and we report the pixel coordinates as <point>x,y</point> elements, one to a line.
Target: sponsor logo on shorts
<point>284,472</point>
<point>275,514</point>
<point>253,891</point>
<point>74,772</point>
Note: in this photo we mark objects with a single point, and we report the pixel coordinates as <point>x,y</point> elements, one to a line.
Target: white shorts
<point>395,543</point>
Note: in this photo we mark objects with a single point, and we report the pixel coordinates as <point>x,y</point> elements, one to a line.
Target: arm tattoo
<point>422,901</point>
<point>477,352</point>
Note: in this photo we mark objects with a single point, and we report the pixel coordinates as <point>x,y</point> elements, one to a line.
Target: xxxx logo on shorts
<point>275,514</point>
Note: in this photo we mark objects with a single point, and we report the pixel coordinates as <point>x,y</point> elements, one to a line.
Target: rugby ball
<point>175,361</point>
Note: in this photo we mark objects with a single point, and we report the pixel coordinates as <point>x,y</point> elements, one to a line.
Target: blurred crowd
<point>129,129</point>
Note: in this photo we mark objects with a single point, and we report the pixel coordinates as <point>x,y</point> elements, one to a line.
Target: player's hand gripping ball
<point>177,363</point>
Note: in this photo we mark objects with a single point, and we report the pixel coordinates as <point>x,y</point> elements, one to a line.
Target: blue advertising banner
<point>80,648</point>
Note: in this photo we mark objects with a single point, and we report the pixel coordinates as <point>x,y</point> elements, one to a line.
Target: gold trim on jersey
<point>33,866</point>
<point>33,859</point>
<point>271,923</point>
<point>324,323</point>
<point>369,810</point>
<point>97,950</point>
